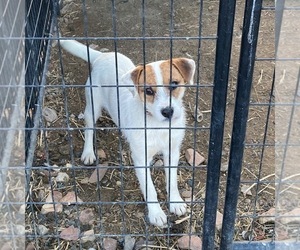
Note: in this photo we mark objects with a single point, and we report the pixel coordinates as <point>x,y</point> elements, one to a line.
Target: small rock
<point>30,246</point>
<point>88,236</point>
<point>104,50</point>
<point>22,209</point>
<point>268,216</point>
<point>49,208</point>
<point>247,235</point>
<point>186,194</point>
<point>142,244</point>
<point>158,163</point>
<point>62,177</point>
<point>55,197</point>
<point>190,199</point>
<point>84,180</point>
<point>94,46</point>
<point>42,230</point>
<point>109,244</point>
<point>101,172</point>
<point>245,189</point>
<point>49,114</point>
<point>70,233</point>
<point>101,154</point>
<point>19,229</point>
<point>129,242</point>
<point>219,220</point>
<point>189,155</point>
<point>190,242</point>
<point>224,168</point>
<point>190,182</point>
<point>282,234</point>
<point>292,216</point>
<point>68,165</point>
<point>55,168</point>
<point>81,116</point>
<point>70,198</point>
<point>119,183</point>
<point>8,246</point>
<point>87,216</point>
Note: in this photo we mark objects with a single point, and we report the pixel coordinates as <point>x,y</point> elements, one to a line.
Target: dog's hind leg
<point>91,114</point>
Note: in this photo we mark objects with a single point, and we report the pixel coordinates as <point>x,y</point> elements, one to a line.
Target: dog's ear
<point>186,68</point>
<point>136,73</point>
<point>133,76</point>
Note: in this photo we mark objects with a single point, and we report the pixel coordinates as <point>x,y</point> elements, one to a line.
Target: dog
<point>145,102</point>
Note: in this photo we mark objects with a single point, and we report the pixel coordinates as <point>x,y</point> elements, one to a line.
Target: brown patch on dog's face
<point>172,83</point>
<point>146,87</point>
<point>182,73</point>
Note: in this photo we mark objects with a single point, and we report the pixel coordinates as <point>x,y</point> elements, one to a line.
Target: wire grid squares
<point>114,207</point>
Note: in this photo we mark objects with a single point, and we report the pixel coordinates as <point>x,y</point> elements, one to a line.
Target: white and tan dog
<point>142,88</point>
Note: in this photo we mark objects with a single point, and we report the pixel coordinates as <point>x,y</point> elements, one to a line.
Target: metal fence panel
<point>231,112</point>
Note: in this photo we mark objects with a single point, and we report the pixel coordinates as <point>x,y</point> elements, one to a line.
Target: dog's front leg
<point>156,215</point>
<point>177,205</point>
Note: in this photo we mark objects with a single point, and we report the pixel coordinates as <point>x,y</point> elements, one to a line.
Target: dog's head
<point>161,86</point>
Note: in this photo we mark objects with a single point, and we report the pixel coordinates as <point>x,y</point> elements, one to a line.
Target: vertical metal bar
<point>278,20</point>
<point>223,53</point>
<point>245,75</point>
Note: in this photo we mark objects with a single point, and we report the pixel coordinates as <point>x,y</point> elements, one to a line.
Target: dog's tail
<point>80,50</point>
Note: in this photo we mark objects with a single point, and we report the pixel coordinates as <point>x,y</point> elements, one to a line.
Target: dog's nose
<point>167,112</point>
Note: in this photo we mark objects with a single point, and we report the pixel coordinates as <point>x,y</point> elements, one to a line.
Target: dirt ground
<point>60,147</point>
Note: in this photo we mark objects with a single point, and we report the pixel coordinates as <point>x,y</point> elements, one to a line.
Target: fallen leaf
<point>49,114</point>
<point>292,216</point>
<point>49,208</point>
<point>55,197</point>
<point>189,155</point>
<point>110,244</point>
<point>268,216</point>
<point>190,242</point>
<point>219,220</point>
<point>87,216</point>
<point>70,233</point>
<point>98,177</point>
<point>88,236</point>
<point>245,189</point>
<point>70,198</point>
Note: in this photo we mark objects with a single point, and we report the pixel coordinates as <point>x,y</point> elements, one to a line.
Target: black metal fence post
<point>223,54</point>
<point>244,83</point>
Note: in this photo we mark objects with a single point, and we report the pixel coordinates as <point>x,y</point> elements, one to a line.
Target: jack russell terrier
<point>145,102</point>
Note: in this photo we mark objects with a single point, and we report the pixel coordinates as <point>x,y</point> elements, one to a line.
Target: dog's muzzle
<point>167,112</point>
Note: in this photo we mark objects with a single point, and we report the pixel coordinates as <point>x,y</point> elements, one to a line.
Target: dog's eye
<point>173,85</point>
<point>149,91</point>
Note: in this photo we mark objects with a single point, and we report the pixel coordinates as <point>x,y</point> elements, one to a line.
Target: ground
<point>61,147</point>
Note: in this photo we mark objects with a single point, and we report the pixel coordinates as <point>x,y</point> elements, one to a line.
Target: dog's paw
<point>88,157</point>
<point>157,217</point>
<point>178,208</point>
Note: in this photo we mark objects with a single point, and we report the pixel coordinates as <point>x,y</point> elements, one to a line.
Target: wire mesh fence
<point>236,167</point>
